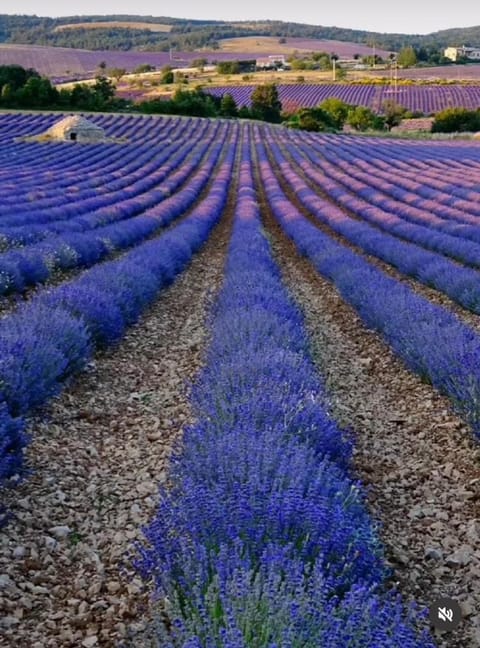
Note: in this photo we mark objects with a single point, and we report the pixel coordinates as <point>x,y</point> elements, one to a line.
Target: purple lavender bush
<point>52,337</point>
<point>264,540</point>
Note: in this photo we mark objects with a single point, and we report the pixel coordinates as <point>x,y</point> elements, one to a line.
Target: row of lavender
<point>109,214</point>
<point>404,245</point>
<point>423,98</point>
<point>130,222</point>
<point>51,337</point>
<point>452,220</point>
<point>264,539</point>
<point>431,340</point>
<point>413,171</point>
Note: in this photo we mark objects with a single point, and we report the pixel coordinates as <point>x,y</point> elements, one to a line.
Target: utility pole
<point>333,58</point>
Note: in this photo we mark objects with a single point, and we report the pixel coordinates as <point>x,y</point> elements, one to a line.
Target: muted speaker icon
<point>445,614</point>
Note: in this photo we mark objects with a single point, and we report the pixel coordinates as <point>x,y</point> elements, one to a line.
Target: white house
<point>454,53</point>
<point>271,61</point>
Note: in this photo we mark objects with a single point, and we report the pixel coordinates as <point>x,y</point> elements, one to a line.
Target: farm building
<point>454,53</point>
<point>76,128</point>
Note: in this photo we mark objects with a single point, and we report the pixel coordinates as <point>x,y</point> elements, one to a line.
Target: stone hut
<point>76,128</point>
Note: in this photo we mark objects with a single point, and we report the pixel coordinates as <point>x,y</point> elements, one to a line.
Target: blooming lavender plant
<point>53,335</point>
<point>264,540</point>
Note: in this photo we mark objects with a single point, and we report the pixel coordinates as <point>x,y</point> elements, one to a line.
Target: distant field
<point>154,27</point>
<point>64,63</point>
<point>428,99</point>
<point>269,45</point>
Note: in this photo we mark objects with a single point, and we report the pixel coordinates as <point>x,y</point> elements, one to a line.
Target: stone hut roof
<point>76,127</point>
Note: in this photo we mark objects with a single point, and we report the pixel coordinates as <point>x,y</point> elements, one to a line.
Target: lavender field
<point>425,98</point>
<point>62,63</point>
<point>239,381</point>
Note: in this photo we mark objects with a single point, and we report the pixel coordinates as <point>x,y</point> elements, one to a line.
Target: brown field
<point>154,27</point>
<point>260,44</point>
<point>270,45</point>
<point>250,25</point>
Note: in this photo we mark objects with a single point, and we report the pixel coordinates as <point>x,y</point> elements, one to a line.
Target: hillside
<point>126,32</point>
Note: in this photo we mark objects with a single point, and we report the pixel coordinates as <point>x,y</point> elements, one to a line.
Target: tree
<point>311,119</point>
<point>245,113</point>
<point>145,67</point>
<point>393,113</point>
<point>199,63</point>
<point>337,109</point>
<point>16,75</point>
<point>37,92</point>
<point>228,67</point>
<point>454,120</point>
<point>167,74</point>
<point>228,107</point>
<point>103,92</point>
<point>117,73</point>
<point>81,96</point>
<point>8,94</point>
<point>362,118</point>
<point>407,57</point>
<point>266,104</point>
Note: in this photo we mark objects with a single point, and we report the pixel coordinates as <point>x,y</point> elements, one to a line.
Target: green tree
<point>453,120</point>
<point>8,95</point>
<point>117,72</point>
<point>265,103</point>
<point>16,76</point>
<point>103,92</point>
<point>337,109</point>
<point>393,113</point>
<point>406,57</point>
<point>199,63</point>
<point>228,107</point>
<point>298,64</point>
<point>194,102</point>
<point>311,119</point>
<point>245,113</point>
<point>228,67</point>
<point>37,92</point>
<point>362,118</point>
<point>81,96</point>
<point>145,67</point>
<point>167,75</point>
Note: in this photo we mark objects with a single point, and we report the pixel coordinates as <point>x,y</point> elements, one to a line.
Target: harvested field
<point>271,45</point>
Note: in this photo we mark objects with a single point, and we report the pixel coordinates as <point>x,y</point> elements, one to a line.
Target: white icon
<point>445,615</point>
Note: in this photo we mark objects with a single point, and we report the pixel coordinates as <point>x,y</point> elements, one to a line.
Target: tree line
<point>192,34</point>
<point>25,88</point>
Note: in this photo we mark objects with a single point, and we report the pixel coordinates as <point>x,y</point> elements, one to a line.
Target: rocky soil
<point>418,461</point>
<point>97,456</point>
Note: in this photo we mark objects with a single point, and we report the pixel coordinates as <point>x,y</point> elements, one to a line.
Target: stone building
<point>76,128</point>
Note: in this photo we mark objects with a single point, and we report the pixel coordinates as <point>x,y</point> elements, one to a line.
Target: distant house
<point>271,62</point>
<point>455,53</point>
<point>76,128</point>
